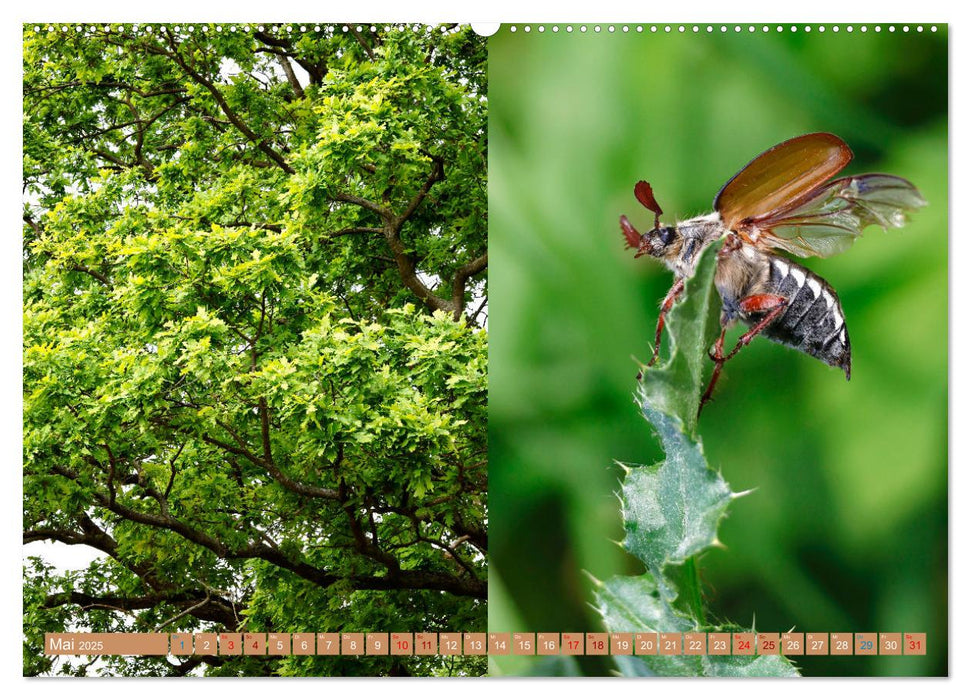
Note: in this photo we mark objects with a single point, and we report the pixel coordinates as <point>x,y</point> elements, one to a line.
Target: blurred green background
<point>847,527</point>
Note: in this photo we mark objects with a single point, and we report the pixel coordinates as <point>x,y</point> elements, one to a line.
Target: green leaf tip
<point>674,386</point>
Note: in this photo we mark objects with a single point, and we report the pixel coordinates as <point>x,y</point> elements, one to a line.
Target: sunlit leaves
<point>225,379</point>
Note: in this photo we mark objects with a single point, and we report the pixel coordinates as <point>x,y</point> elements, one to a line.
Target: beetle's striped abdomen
<point>813,321</point>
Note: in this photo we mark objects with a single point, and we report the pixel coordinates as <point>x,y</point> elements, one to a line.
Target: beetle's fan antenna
<point>630,233</point>
<point>645,195</point>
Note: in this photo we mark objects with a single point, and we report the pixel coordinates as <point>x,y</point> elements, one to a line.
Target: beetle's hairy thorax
<point>695,235</point>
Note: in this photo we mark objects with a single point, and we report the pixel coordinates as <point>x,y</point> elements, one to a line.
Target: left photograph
<point>255,347</point>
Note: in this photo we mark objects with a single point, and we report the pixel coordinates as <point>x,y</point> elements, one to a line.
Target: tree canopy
<point>254,354</point>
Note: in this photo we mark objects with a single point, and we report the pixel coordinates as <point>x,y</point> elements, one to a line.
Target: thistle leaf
<point>634,603</point>
<point>672,509</point>
<point>675,387</point>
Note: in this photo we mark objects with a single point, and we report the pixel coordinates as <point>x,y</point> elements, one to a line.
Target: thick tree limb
<point>220,610</point>
<point>401,579</point>
<point>385,214</point>
<point>284,62</point>
<point>406,264</point>
<point>353,230</point>
<point>408,272</point>
<point>460,279</point>
<point>182,668</point>
<point>202,606</point>
<point>316,71</point>
<point>48,90</point>
<point>93,273</point>
<point>365,546</point>
<point>283,479</point>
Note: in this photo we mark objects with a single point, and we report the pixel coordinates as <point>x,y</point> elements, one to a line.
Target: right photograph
<point>718,353</point>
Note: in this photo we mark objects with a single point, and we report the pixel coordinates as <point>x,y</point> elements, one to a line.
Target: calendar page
<point>515,349</point>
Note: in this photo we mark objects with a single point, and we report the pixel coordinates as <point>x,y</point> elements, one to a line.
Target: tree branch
<point>397,578</point>
<point>187,611</point>
<point>216,610</point>
<point>233,118</point>
<point>408,272</point>
<point>360,40</point>
<point>353,230</point>
<point>316,71</point>
<point>437,173</point>
<point>266,461</point>
<point>385,214</point>
<point>93,273</point>
<point>291,76</point>
<point>460,279</point>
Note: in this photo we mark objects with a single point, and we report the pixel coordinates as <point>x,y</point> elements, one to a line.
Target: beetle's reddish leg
<point>719,360</point>
<point>773,304</point>
<point>666,306</point>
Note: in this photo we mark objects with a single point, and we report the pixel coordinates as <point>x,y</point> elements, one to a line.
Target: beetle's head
<point>659,242</point>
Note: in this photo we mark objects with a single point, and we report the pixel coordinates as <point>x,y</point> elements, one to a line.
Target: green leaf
<point>634,603</point>
<point>723,666</point>
<point>675,387</point>
<point>672,508</point>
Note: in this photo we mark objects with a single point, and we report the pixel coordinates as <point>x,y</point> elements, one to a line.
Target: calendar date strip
<point>482,644</point>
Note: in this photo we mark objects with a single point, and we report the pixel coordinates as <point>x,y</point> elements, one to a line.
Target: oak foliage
<point>254,360</point>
